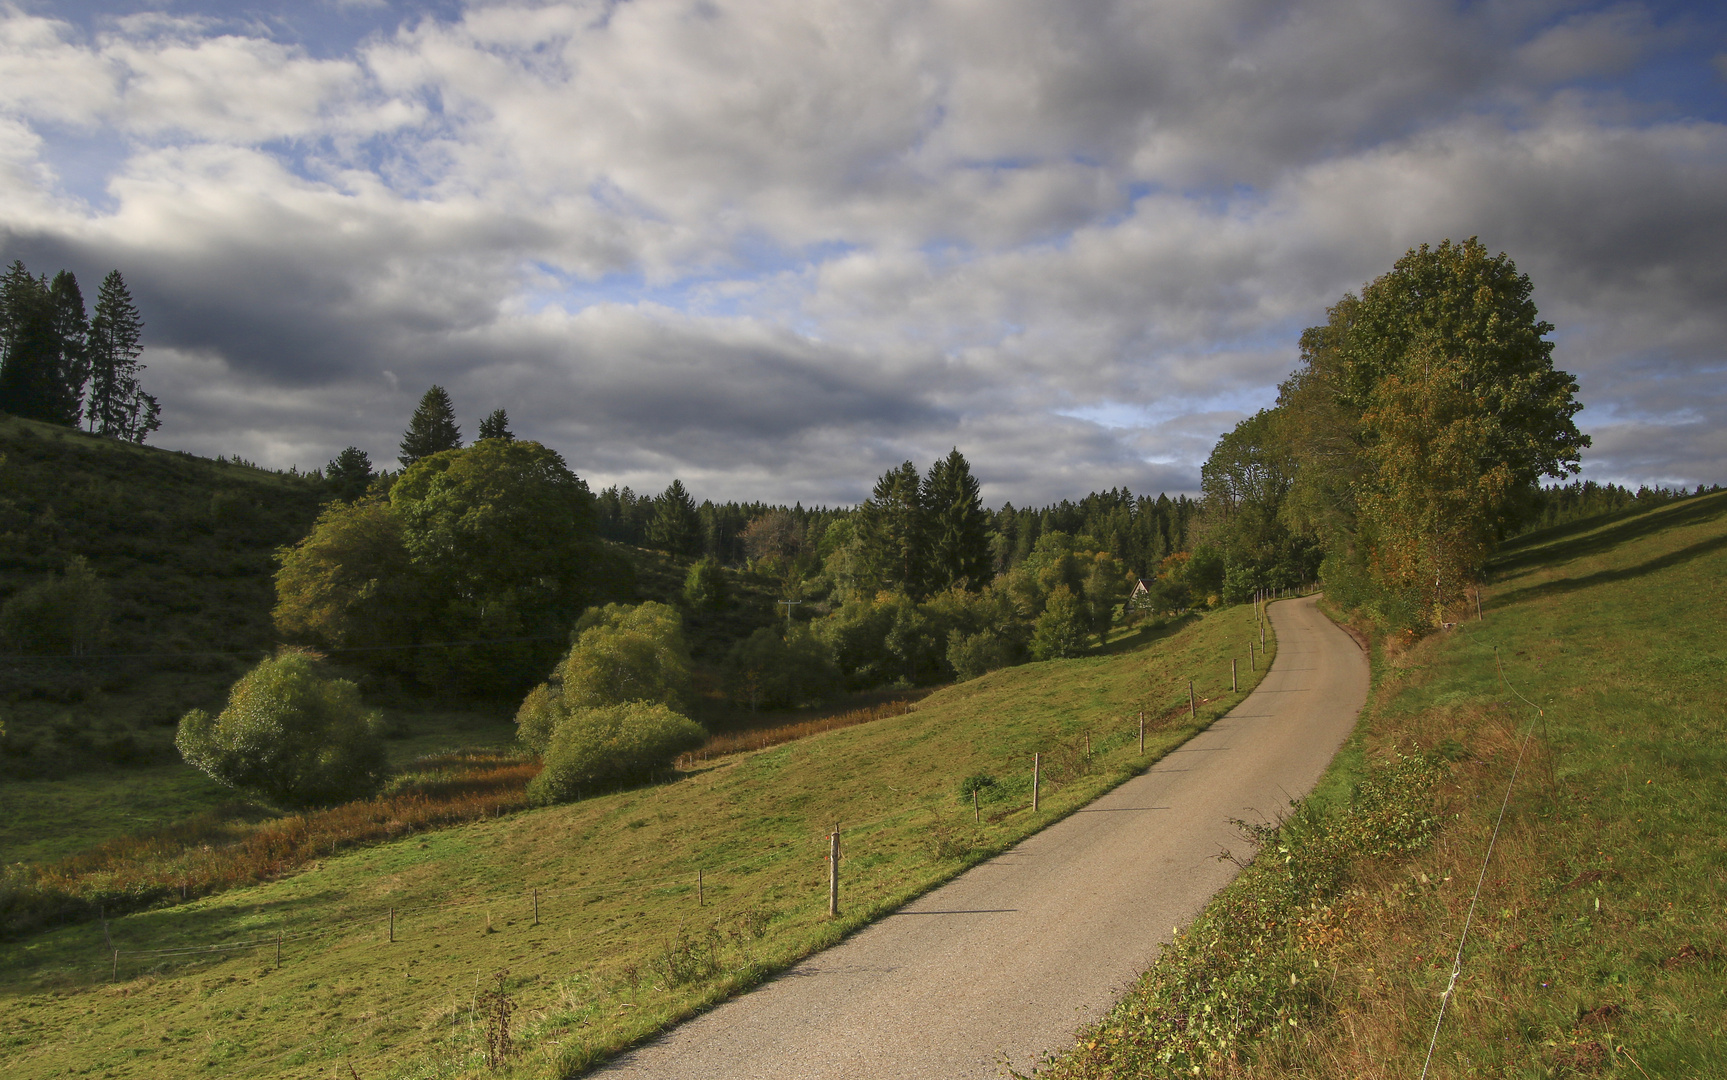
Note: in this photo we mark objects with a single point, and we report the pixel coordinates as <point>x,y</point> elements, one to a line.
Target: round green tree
<point>288,735</point>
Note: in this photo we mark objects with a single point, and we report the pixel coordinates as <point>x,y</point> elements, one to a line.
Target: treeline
<point>62,365</point>
<point>1577,501</point>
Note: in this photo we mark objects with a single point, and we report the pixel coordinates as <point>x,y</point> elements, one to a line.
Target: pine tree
<point>496,426</point>
<point>957,527</point>
<point>117,405</point>
<point>40,371</point>
<point>432,430</point>
<point>350,474</point>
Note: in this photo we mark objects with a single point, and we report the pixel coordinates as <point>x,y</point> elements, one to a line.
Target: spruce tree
<point>957,527</point>
<point>432,430</point>
<point>894,530</point>
<point>350,474</point>
<point>70,329</point>
<point>496,426</point>
<point>676,526</point>
<point>117,405</point>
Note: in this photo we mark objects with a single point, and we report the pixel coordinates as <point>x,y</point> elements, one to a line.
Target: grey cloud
<point>1078,241</point>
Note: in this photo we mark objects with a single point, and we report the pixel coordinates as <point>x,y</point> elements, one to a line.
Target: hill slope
<point>1591,704</point>
<point>594,908</point>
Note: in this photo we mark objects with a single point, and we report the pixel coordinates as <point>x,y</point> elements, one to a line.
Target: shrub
<point>705,585</point>
<point>764,670</point>
<point>973,655</point>
<point>625,654</point>
<point>288,735</point>
<point>67,614</point>
<point>611,744</point>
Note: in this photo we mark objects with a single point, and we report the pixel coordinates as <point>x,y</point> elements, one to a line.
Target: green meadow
<point>622,944</point>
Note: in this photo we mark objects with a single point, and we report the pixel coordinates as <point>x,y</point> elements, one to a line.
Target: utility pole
<point>789,604</point>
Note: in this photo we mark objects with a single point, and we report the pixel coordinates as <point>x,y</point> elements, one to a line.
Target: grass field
<point>1598,945</point>
<point>621,946</point>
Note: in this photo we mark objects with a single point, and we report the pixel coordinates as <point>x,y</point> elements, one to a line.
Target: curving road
<point>1008,959</point>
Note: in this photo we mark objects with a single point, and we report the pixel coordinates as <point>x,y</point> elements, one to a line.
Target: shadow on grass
<point>1588,537</point>
<point>1145,636</point>
<point>1562,586</point>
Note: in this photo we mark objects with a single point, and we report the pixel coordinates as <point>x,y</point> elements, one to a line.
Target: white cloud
<point>776,246</point>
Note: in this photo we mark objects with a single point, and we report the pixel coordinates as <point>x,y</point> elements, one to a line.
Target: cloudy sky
<point>775,247</point>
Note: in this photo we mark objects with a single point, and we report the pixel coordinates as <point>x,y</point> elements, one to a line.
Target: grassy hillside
<point>183,545</point>
<point>621,945</point>
<point>1595,693</point>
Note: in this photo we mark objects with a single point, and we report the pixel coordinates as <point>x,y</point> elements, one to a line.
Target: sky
<point>775,248</point>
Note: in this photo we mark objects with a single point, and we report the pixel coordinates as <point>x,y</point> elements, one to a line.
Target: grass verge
<point>1590,706</point>
<point>592,910</point>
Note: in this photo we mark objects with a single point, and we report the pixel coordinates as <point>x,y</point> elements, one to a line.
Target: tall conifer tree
<point>957,526</point>
<point>117,405</point>
<point>433,428</point>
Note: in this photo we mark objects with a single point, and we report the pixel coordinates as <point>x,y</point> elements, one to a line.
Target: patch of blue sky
<point>83,161</point>
<point>722,291</point>
<point>324,28</point>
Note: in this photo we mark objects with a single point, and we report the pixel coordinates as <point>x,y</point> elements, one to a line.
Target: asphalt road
<point>1007,960</point>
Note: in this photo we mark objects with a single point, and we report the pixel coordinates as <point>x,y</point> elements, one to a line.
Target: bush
<point>64,615</point>
<point>288,735</point>
<point>973,655</point>
<point>766,671</point>
<point>705,585</point>
<point>626,654</point>
<point>611,744</point>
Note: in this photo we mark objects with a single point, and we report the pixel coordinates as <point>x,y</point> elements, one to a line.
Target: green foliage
<point>705,586</point>
<point>496,426</point>
<point>41,349</point>
<point>622,654</point>
<point>1061,629</point>
<point>349,474</point>
<point>971,655</point>
<point>351,581</point>
<point>1239,977</point>
<point>768,671</point>
<point>1247,480</point>
<point>957,527</point>
<point>1423,415</point>
<point>288,735</point>
<point>431,430</point>
<point>118,406</point>
<point>676,526</point>
<point>611,744</point>
<point>893,534</point>
<point>66,615</point>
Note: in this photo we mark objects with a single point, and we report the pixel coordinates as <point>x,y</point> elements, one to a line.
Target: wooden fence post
<point>976,811</point>
<point>1234,686</point>
<point>115,976</point>
<point>1036,768</point>
<point>536,907</point>
<point>1142,733</point>
<point>1192,702</point>
<point>1252,665</point>
<point>278,948</point>
<point>834,872</point>
<point>701,895</point>
<point>392,926</point>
